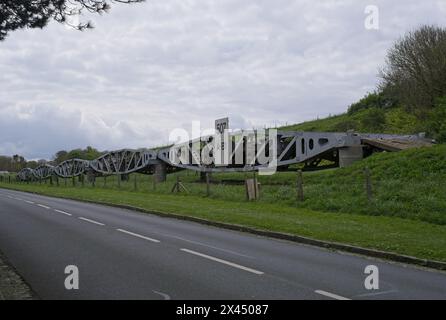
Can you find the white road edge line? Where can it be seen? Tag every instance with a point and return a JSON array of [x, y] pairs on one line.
[[63, 212], [42, 206], [223, 261], [331, 295], [92, 221], [137, 235]]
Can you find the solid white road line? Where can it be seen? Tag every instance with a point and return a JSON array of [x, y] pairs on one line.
[[137, 235], [223, 261], [91, 221], [331, 295], [63, 212], [42, 206]]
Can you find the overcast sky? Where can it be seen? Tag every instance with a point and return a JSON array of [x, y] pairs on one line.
[[149, 68]]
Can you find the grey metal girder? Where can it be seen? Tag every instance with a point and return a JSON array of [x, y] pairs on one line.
[[290, 147]]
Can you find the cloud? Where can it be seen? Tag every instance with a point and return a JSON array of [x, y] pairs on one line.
[[40, 131], [149, 68]]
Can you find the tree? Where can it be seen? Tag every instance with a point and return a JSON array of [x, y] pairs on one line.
[[60, 156], [372, 100], [88, 153], [415, 74], [17, 14]]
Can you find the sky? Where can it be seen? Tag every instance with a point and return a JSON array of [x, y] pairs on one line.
[[147, 69]]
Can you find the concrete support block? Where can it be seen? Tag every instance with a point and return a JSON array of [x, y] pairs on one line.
[[349, 155], [160, 172]]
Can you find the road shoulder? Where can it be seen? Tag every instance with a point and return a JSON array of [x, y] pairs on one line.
[[12, 285]]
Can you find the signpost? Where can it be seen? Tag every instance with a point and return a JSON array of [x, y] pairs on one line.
[[220, 126]]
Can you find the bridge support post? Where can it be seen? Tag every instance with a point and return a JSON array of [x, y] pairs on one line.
[[349, 155], [160, 172]]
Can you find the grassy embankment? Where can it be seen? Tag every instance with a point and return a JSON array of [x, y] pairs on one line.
[[407, 214]]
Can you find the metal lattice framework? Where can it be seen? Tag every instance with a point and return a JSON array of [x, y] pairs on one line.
[[288, 148], [71, 168], [26, 174], [43, 172], [124, 162]]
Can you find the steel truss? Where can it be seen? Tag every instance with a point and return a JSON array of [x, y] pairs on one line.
[[285, 147]]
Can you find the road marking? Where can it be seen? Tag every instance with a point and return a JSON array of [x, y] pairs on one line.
[[30, 202], [223, 261], [92, 221], [209, 246], [63, 212], [165, 296], [331, 295], [375, 293], [42, 206], [18, 199], [137, 235]]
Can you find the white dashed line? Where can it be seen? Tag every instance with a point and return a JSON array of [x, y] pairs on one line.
[[331, 295], [92, 221], [223, 261], [63, 212], [138, 235], [30, 202], [42, 206]]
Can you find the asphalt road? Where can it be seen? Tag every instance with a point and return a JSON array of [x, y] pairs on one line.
[[123, 254]]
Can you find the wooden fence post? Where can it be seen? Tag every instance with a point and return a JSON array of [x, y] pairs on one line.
[[208, 187], [300, 186]]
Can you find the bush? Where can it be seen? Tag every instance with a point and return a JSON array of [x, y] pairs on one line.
[[436, 123], [373, 120], [372, 100]]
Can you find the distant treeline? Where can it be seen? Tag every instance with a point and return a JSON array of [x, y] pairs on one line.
[[17, 162]]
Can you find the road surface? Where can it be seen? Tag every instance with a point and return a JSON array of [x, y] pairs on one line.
[[121, 254]]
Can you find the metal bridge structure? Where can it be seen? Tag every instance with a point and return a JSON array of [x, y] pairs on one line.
[[282, 149]]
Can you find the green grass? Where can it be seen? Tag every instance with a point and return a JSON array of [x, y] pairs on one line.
[[409, 184], [415, 238], [396, 121], [407, 214]]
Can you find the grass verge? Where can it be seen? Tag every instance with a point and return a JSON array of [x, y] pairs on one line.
[[408, 237]]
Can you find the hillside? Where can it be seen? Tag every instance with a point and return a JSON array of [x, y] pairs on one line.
[[371, 114]]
